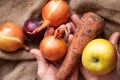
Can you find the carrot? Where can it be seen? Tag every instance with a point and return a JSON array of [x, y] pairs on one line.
[[90, 25]]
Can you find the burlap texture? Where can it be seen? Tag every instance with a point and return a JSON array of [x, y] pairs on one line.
[[20, 65]]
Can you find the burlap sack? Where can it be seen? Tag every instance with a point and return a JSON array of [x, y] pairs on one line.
[[20, 65]]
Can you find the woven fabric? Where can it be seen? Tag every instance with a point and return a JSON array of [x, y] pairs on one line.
[[21, 65]]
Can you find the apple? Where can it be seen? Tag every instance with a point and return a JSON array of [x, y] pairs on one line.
[[99, 56]]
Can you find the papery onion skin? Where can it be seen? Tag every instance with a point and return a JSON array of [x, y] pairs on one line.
[[53, 48], [54, 13], [11, 37], [30, 25]]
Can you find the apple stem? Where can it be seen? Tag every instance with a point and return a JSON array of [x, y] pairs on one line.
[[94, 60]]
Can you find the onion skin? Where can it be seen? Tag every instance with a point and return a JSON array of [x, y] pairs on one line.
[[30, 25], [11, 37], [54, 13], [53, 48]]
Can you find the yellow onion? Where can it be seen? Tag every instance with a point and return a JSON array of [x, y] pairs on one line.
[[11, 37], [54, 13]]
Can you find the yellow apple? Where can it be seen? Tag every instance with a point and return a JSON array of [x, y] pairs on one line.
[[99, 57]]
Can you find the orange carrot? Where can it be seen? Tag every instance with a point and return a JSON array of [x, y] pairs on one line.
[[90, 25]]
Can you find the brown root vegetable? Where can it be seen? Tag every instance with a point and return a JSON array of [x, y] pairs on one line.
[[11, 37], [54, 13], [90, 25]]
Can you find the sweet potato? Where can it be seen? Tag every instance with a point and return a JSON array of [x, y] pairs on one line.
[[90, 25]]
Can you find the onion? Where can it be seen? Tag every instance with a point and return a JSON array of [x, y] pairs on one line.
[[29, 26], [11, 37], [54, 13], [53, 47]]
